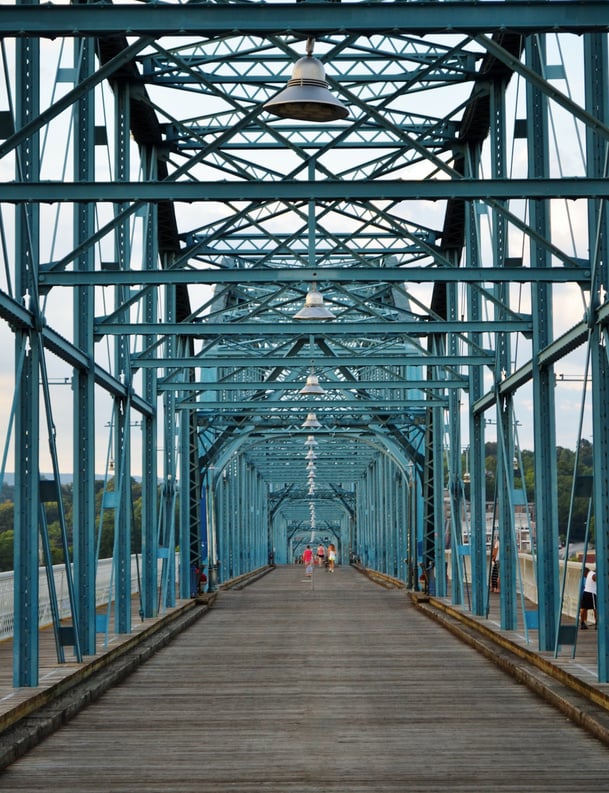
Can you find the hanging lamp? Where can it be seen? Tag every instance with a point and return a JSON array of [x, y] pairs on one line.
[[307, 97], [312, 385], [311, 422], [314, 308]]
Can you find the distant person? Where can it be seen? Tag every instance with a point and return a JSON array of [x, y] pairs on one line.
[[331, 557], [321, 555], [307, 560], [495, 568], [588, 600]]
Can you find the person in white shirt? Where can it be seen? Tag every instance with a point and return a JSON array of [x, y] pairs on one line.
[[588, 599]]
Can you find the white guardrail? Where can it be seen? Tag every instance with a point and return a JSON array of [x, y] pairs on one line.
[[102, 593], [528, 580]]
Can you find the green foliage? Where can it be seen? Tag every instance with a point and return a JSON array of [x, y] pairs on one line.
[[524, 480], [104, 534]]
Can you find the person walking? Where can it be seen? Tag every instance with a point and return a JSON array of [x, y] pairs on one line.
[[307, 560], [495, 567], [331, 557], [321, 555], [588, 600]]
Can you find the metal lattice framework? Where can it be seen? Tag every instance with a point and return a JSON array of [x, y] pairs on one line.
[[160, 230]]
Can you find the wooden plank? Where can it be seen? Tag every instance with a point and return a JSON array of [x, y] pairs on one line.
[[334, 685]]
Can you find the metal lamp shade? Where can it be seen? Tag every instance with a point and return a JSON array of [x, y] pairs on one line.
[[306, 97], [311, 422], [312, 386], [314, 307]]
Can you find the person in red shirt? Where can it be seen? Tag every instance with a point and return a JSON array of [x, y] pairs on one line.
[[307, 559]]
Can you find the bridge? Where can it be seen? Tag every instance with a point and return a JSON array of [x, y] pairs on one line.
[[294, 683], [278, 274]]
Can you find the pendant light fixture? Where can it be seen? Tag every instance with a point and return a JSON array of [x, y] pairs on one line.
[[307, 97]]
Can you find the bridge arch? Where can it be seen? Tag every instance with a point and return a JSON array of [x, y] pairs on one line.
[[163, 271]]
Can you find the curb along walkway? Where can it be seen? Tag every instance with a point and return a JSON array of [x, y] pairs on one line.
[[334, 684], [28, 715]]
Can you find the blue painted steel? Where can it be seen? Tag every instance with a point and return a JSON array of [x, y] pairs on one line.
[[597, 84], [546, 500], [149, 513], [275, 207], [413, 190], [27, 500], [122, 453], [475, 489], [83, 382], [274, 18]]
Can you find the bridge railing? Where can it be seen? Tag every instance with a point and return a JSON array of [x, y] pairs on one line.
[[102, 593], [528, 580]]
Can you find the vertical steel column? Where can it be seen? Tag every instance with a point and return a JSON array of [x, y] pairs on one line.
[[597, 165], [383, 535], [184, 524], [375, 514], [455, 481], [544, 420], [394, 522], [370, 517], [259, 536], [212, 537], [83, 382], [223, 519], [122, 513], [193, 494], [364, 518], [167, 538], [183, 432], [507, 551], [401, 518], [149, 584], [430, 546], [477, 483], [388, 496], [249, 538], [27, 497], [149, 500], [437, 495]]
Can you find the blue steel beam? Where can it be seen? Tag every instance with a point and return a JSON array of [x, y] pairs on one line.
[[52, 192], [317, 19], [354, 360], [358, 330], [296, 407], [343, 275], [260, 384]]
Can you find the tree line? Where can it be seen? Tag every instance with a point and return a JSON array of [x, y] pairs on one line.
[[105, 530], [524, 480]]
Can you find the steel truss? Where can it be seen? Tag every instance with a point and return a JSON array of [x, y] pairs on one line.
[[160, 230]]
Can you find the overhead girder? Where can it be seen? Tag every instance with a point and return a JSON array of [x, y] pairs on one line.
[[241, 275], [340, 463], [275, 18], [413, 190], [372, 209]]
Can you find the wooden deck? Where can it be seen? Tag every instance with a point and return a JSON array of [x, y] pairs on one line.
[[336, 685]]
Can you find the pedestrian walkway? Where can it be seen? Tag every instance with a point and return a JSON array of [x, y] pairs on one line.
[[294, 685]]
